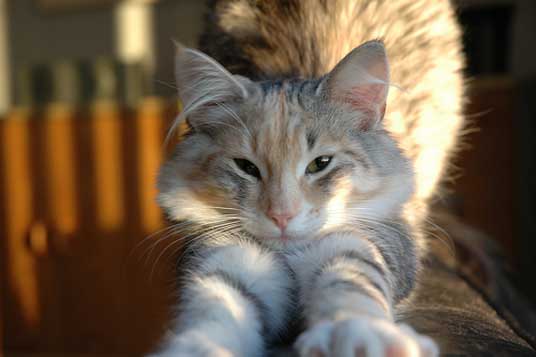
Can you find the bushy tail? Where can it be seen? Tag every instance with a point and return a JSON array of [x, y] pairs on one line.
[[269, 38]]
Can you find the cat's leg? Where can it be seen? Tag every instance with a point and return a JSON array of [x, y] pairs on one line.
[[348, 285], [235, 297]]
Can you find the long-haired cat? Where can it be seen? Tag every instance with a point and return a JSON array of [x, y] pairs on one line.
[[296, 198]]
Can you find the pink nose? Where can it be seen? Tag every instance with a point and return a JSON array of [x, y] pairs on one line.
[[281, 220]]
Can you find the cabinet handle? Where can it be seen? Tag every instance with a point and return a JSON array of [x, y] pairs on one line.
[[38, 239]]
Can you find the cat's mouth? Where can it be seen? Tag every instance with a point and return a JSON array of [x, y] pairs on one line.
[[284, 238]]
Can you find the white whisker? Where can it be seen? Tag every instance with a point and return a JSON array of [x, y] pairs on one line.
[[205, 232]]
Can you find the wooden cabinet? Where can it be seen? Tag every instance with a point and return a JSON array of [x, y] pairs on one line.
[[77, 199]]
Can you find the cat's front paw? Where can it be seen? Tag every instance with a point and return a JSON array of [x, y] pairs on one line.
[[192, 344], [363, 336]]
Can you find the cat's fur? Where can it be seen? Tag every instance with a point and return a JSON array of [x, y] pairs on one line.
[[277, 242], [294, 38]]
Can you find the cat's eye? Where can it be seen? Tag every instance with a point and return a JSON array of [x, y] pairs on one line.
[[318, 164], [248, 167]]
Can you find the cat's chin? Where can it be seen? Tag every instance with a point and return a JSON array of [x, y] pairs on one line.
[[282, 241], [277, 239]]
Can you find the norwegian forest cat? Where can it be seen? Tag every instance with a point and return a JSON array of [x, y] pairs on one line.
[[301, 188]]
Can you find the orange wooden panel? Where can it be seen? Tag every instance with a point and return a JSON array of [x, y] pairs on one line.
[[149, 154], [22, 305], [77, 196], [106, 146], [62, 211]]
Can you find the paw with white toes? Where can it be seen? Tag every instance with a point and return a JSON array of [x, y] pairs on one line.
[[360, 337]]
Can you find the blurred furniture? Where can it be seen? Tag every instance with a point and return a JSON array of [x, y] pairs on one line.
[[484, 189], [77, 196]]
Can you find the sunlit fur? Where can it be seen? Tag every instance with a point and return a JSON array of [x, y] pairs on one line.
[[273, 39], [281, 127]]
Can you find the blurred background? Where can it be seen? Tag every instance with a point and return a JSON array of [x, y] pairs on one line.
[[86, 96]]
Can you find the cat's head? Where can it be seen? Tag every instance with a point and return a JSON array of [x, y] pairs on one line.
[[284, 160]]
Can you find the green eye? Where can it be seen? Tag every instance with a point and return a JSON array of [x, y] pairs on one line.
[[248, 167], [318, 164]]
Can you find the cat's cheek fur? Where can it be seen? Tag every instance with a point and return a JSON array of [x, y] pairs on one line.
[[382, 197], [176, 180]]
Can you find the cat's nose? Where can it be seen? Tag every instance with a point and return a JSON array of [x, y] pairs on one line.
[[281, 219]]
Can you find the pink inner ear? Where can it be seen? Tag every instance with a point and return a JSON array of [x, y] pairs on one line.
[[366, 97], [369, 100]]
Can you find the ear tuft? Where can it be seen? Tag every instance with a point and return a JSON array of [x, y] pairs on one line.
[[361, 81], [200, 78], [202, 82]]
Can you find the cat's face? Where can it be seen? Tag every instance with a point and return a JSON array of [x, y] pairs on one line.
[[284, 161]]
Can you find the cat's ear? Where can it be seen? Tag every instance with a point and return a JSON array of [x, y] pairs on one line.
[[203, 81], [361, 81]]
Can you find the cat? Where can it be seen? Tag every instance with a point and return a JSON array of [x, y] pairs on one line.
[[291, 184], [296, 198]]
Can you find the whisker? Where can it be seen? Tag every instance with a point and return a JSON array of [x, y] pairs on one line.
[[206, 227], [167, 84], [363, 215], [221, 226], [177, 231]]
